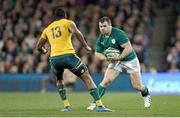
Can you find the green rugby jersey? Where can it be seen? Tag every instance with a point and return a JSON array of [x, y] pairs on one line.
[[115, 40]]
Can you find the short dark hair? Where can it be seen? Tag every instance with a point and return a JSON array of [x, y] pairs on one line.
[[59, 13], [105, 18]]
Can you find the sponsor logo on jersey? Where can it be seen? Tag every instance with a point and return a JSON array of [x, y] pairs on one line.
[[102, 43], [113, 41]]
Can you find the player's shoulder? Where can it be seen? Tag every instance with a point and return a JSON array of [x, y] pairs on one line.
[[44, 29], [71, 22], [117, 30], [66, 20], [100, 37], [49, 25]]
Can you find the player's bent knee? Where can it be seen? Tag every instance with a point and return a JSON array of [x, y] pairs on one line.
[[79, 70]]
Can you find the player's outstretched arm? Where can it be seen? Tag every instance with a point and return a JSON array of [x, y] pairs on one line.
[[40, 45], [73, 29]]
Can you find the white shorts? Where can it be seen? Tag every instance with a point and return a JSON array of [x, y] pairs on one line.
[[132, 66]]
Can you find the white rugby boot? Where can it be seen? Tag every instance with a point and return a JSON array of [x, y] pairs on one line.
[[147, 101], [91, 106]]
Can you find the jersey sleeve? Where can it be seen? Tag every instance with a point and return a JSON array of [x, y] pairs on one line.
[[99, 47], [122, 38], [71, 22], [43, 35]]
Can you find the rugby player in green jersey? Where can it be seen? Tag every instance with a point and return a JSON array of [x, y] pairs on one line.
[[115, 38]]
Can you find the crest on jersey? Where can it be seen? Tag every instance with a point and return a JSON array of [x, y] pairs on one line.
[[113, 41]]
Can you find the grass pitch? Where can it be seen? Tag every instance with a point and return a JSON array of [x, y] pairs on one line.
[[49, 105]]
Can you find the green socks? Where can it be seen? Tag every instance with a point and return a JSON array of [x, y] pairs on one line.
[[94, 94], [101, 90], [62, 91], [145, 92]]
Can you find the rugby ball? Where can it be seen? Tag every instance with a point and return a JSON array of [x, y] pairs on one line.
[[111, 52]]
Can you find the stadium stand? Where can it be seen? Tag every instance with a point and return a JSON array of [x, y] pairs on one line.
[[173, 44], [23, 21]]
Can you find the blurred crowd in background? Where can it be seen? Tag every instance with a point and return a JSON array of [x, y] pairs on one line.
[[173, 45], [22, 22]]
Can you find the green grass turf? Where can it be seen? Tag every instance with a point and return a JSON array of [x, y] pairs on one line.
[[49, 104]]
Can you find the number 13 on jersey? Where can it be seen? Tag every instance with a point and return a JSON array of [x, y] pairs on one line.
[[56, 32]]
